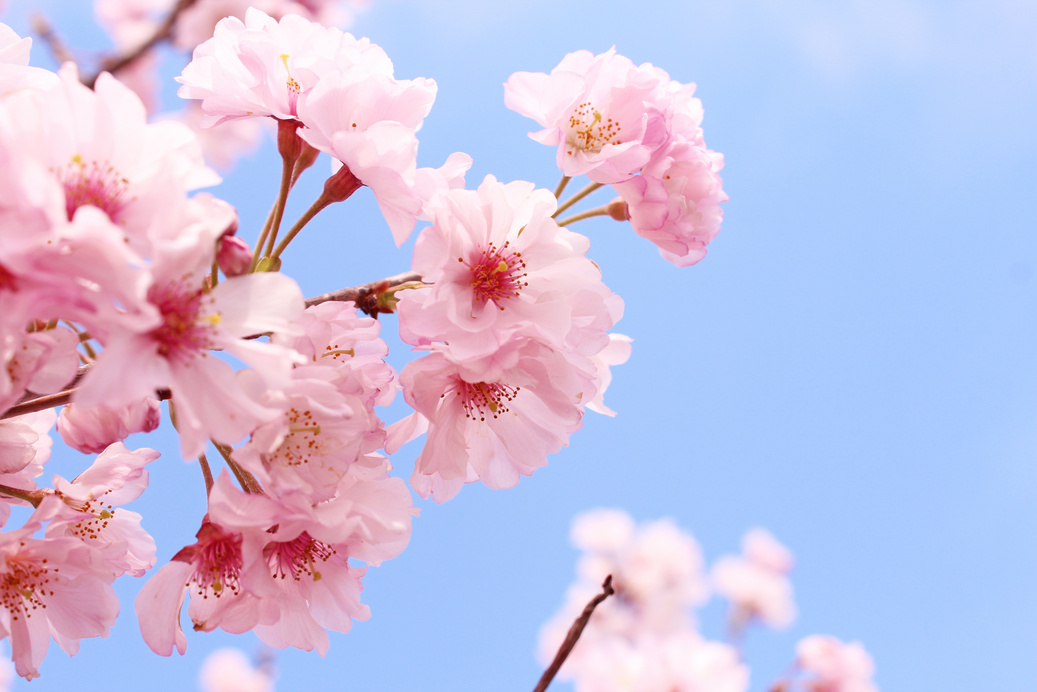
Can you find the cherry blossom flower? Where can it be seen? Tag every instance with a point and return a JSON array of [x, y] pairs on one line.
[[757, 584], [52, 587], [90, 429], [599, 110], [15, 72], [675, 202], [494, 420], [211, 401], [210, 569], [229, 670], [831, 665], [25, 447], [261, 66], [501, 268], [90, 509]]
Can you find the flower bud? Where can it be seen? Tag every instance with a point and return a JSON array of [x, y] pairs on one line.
[[619, 210], [340, 185], [234, 256]]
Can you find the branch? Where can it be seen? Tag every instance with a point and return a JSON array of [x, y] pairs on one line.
[[367, 298], [42, 27], [574, 635], [162, 33]]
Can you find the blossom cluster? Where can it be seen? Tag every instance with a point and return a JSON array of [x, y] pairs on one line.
[[636, 129], [123, 285], [644, 637]]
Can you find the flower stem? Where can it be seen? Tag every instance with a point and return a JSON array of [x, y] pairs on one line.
[[33, 497], [246, 480], [577, 197], [282, 196], [561, 186], [303, 220], [206, 472], [600, 211]]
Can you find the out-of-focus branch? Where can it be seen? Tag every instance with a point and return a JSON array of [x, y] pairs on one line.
[[368, 298], [163, 33], [574, 635], [42, 28]]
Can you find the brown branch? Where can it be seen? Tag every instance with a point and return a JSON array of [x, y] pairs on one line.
[[42, 28], [163, 33], [367, 298], [574, 635]]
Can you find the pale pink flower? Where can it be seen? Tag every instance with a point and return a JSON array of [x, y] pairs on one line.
[[261, 66], [15, 72], [297, 561], [494, 420], [54, 587], [601, 112], [616, 353], [42, 362], [90, 429], [757, 583], [501, 268], [229, 670], [24, 448], [335, 335], [675, 202], [99, 147], [681, 662], [211, 401], [90, 509], [210, 569], [312, 446], [368, 121], [831, 665]]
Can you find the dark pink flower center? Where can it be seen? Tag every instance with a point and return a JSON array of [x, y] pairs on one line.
[[94, 184], [484, 398], [297, 558], [497, 274], [217, 563], [23, 585], [8, 281], [589, 130], [185, 333]]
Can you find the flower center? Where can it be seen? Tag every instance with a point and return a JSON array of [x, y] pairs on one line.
[[292, 85], [497, 274], [297, 558], [8, 281], [481, 398], [22, 585], [217, 561], [93, 184], [185, 333], [302, 440], [589, 130]]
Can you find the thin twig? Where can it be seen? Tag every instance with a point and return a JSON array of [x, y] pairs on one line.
[[574, 635], [561, 186], [358, 293], [163, 33], [41, 27]]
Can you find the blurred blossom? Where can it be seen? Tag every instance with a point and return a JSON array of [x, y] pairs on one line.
[[229, 670]]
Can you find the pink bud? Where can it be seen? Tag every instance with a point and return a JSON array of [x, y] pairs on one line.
[[341, 185], [234, 256], [619, 210]]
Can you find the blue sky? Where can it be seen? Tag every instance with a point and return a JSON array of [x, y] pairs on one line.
[[853, 365]]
